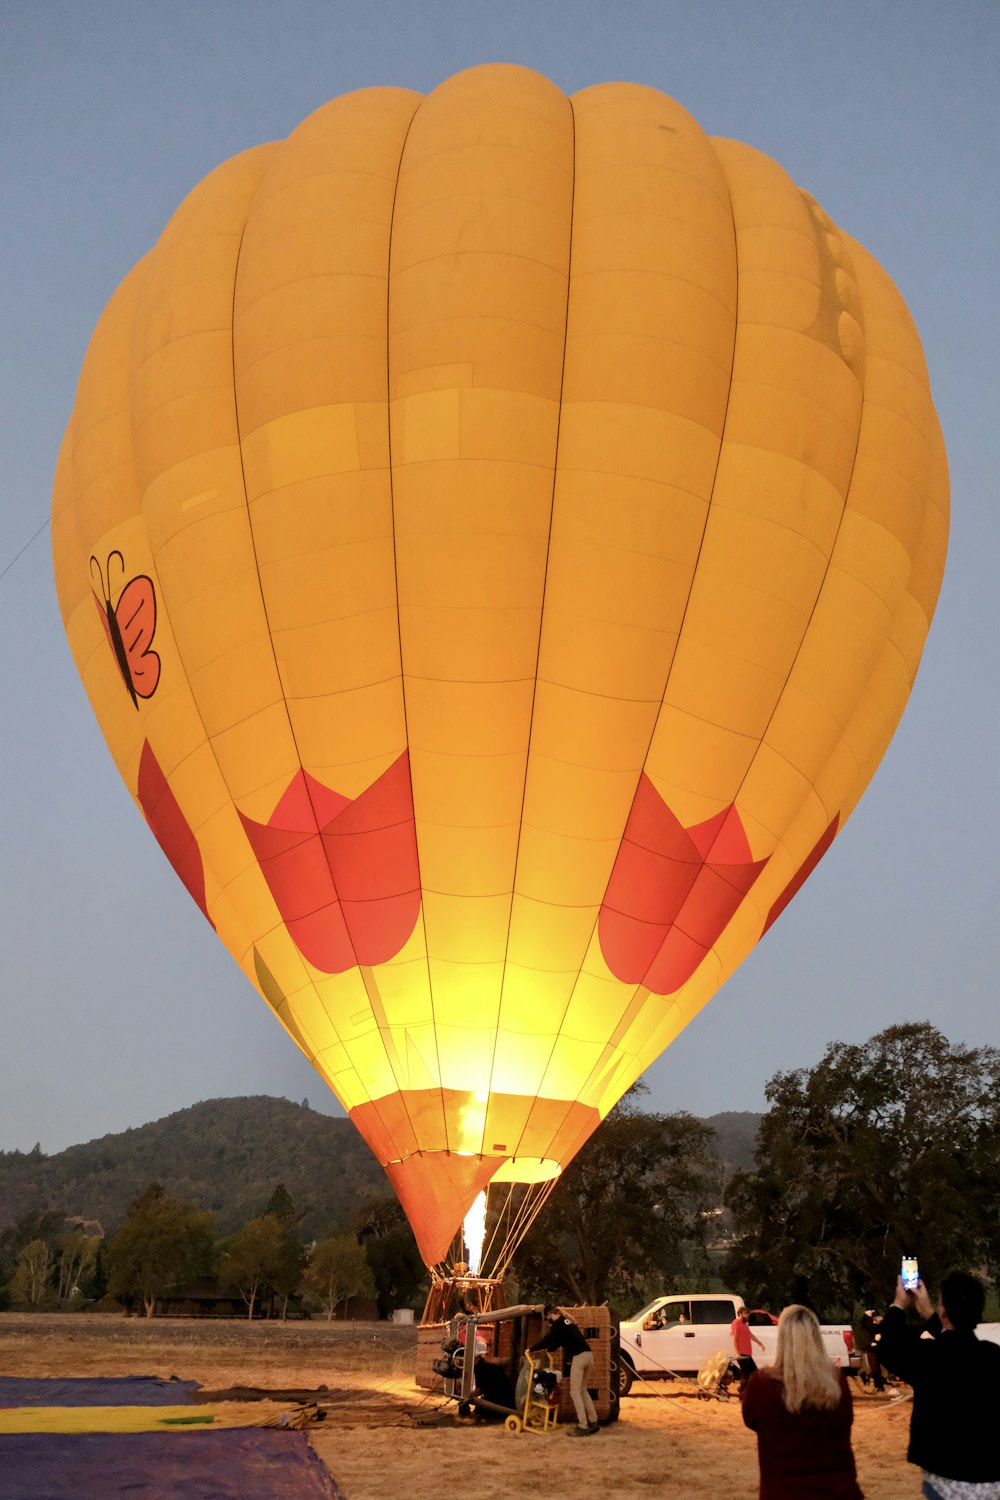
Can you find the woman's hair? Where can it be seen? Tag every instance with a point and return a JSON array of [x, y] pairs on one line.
[[807, 1373]]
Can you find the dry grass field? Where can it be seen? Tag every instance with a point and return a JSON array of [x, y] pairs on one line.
[[384, 1437]]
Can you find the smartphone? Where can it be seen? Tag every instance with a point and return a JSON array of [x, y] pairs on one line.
[[910, 1272]]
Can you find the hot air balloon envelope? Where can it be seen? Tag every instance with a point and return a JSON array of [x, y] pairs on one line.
[[497, 533]]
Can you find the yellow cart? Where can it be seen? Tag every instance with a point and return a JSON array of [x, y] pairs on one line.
[[541, 1403]]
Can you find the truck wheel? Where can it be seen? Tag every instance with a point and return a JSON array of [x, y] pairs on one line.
[[514, 1424], [626, 1375]]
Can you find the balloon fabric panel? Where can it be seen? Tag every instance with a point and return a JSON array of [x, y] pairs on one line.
[[497, 533]]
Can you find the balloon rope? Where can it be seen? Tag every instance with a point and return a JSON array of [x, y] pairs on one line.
[[516, 1206], [503, 1212], [528, 1211], [510, 1225], [23, 550]]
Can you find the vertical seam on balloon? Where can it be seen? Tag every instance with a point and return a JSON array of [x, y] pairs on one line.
[[374, 1104], [538, 651], [399, 637], [281, 689], [150, 261], [770, 719], [708, 511], [819, 593], [602, 1064]]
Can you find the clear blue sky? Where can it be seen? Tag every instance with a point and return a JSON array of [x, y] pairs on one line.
[[118, 1004]]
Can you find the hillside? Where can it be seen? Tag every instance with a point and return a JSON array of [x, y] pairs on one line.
[[228, 1155], [735, 1132]]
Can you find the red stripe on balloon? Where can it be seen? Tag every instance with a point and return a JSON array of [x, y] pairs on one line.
[[170, 827], [343, 872], [672, 892]]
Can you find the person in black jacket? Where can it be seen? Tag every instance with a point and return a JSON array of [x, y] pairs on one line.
[[955, 1379], [563, 1334], [869, 1338]]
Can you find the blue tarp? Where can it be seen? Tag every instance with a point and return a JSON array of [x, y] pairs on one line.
[[238, 1464], [128, 1390]]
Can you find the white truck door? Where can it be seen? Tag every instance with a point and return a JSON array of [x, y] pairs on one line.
[[712, 1318], [688, 1331], [663, 1335]]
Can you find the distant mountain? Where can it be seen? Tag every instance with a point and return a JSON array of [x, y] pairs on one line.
[[228, 1155], [735, 1131]]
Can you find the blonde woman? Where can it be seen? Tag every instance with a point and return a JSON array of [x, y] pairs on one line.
[[800, 1408]]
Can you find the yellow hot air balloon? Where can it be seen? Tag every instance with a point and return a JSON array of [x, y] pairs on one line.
[[497, 533]]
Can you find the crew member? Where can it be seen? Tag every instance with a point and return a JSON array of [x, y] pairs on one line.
[[744, 1338], [565, 1335]]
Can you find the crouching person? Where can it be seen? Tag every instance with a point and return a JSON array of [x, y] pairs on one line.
[[493, 1384]]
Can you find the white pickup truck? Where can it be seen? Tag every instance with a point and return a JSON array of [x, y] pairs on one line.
[[675, 1335]]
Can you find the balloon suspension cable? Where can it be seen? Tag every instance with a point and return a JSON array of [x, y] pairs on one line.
[[22, 550], [518, 1222], [501, 1214], [511, 1221], [528, 1212]]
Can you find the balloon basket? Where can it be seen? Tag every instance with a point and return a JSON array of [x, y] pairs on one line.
[[453, 1296]]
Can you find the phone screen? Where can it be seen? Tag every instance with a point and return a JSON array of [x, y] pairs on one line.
[[910, 1273]]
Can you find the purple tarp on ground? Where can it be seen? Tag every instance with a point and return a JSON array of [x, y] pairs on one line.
[[238, 1464], [128, 1390]]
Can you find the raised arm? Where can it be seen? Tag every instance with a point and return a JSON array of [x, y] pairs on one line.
[[899, 1346]]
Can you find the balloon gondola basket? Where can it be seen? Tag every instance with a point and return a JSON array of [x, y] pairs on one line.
[[460, 1295], [454, 1296]]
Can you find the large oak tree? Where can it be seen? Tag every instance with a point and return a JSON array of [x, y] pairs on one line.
[[162, 1243], [886, 1148]]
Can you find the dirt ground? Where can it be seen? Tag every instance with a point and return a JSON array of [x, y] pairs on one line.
[[384, 1436]]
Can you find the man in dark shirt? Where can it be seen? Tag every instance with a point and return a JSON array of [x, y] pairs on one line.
[[563, 1334], [955, 1378]]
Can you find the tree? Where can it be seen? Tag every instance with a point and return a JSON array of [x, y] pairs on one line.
[[94, 1282], [880, 1149], [630, 1208], [31, 1284], [77, 1256], [162, 1243], [252, 1259], [288, 1270], [398, 1271], [281, 1207], [338, 1269], [37, 1224]]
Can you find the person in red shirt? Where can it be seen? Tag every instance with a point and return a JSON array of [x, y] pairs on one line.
[[800, 1408], [744, 1338]]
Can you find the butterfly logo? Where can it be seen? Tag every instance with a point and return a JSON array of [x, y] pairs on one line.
[[130, 626]]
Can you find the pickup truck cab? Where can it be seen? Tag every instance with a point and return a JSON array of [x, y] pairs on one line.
[[675, 1335]]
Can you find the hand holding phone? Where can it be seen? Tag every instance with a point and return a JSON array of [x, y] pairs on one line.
[[910, 1273]]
